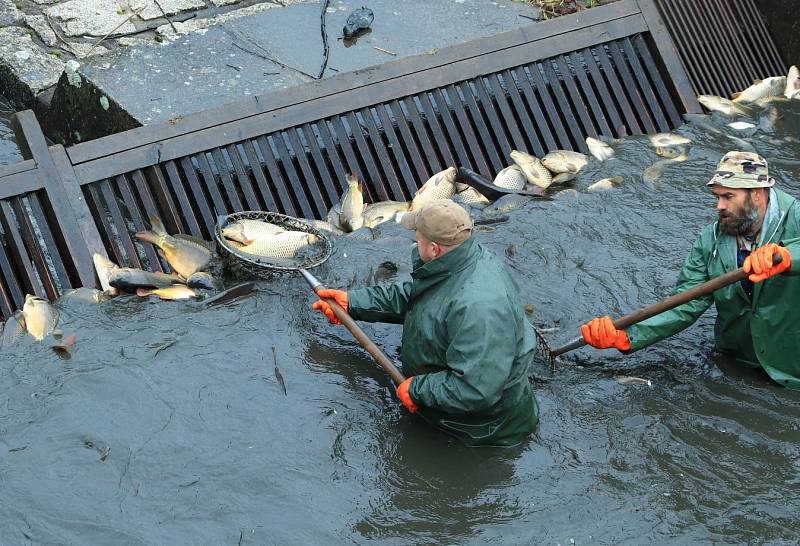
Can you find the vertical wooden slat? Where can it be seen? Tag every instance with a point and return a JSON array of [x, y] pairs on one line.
[[663, 94], [187, 211], [618, 126], [577, 99], [565, 109], [712, 22], [464, 126], [504, 148], [107, 233], [210, 183], [57, 249], [288, 166], [373, 187], [632, 89], [409, 181], [209, 216], [421, 172], [744, 55], [597, 111], [227, 182], [761, 36], [645, 87], [539, 118], [549, 106], [286, 204], [251, 201], [122, 233], [19, 252], [389, 175], [257, 168], [170, 215], [485, 133], [331, 190], [703, 63], [496, 90], [309, 176], [421, 130], [14, 294], [529, 129], [332, 153], [619, 93], [353, 166], [136, 218], [436, 130], [453, 134]]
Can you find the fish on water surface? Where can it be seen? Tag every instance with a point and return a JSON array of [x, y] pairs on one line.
[[203, 280], [792, 89], [246, 230], [384, 211], [174, 292], [470, 196], [714, 103], [129, 279], [507, 203], [533, 169], [184, 256], [668, 139], [774, 86], [441, 185], [599, 149], [323, 225], [351, 216], [86, 295], [14, 329], [653, 172], [280, 245], [510, 178], [563, 161], [41, 317], [671, 152], [563, 178], [627, 380], [104, 267], [605, 184]]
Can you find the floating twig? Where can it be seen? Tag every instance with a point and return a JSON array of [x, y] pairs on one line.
[[278, 375]]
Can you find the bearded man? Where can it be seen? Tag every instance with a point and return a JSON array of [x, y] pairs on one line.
[[758, 320]]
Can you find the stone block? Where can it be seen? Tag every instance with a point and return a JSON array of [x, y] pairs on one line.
[[25, 70], [170, 7], [39, 24], [9, 14], [91, 17]]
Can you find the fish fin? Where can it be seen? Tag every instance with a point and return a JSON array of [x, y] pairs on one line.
[[143, 293], [65, 345], [157, 225], [572, 167], [735, 95], [149, 236]]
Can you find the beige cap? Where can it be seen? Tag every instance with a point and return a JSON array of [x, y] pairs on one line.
[[742, 170], [441, 221]]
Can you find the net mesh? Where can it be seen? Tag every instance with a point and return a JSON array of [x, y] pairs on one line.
[[244, 264]]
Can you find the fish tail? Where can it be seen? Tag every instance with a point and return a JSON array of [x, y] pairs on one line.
[[149, 236], [157, 225], [143, 292]]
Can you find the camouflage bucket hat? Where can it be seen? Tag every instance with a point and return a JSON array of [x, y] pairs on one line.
[[742, 170]]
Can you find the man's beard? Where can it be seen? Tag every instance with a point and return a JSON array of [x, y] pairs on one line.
[[741, 222]]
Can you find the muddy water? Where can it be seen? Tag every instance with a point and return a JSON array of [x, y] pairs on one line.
[[9, 152], [169, 425]]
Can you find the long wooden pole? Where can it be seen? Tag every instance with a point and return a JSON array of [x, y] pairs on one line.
[[708, 287], [361, 336]]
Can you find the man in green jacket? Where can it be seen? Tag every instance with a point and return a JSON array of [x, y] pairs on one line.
[[758, 320], [466, 342]]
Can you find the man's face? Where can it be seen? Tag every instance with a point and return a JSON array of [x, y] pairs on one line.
[[737, 211], [428, 250]]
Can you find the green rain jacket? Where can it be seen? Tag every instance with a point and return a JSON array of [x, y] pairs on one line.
[[762, 331], [466, 341]]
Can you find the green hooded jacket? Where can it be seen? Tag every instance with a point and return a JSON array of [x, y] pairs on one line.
[[760, 331], [466, 341]]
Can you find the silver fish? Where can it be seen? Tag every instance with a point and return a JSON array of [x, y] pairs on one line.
[[185, 257], [563, 161], [668, 139], [599, 149], [792, 90], [563, 178], [671, 152], [470, 196], [203, 280], [605, 184], [246, 230], [130, 278], [714, 103], [439, 186], [653, 172], [378, 213], [280, 245], [768, 87], [104, 267], [510, 178], [507, 203], [351, 215], [323, 225], [86, 295], [533, 169], [41, 317], [627, 380]]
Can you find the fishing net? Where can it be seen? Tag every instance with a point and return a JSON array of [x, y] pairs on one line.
[[244, 264]]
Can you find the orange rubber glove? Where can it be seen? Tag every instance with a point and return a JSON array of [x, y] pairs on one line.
[[759, 262], [405, 396], [601, 334], [339, 296]]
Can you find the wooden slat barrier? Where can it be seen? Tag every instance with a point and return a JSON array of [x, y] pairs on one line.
[[723, 44], [611, 70]]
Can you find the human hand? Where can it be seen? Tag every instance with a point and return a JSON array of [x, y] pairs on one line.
[[601, 334], [405, 396], [339, 296], [760, 262]]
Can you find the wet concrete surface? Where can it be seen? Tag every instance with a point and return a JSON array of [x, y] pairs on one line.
[[168, 424], [156, 82]]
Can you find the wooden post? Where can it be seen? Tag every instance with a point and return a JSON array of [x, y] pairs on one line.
[[63, 190]]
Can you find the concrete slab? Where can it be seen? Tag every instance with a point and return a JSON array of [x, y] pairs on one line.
[[242, 56], [149, 9], [91, 17], [25, 70], [9, 14], [39, 24]]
